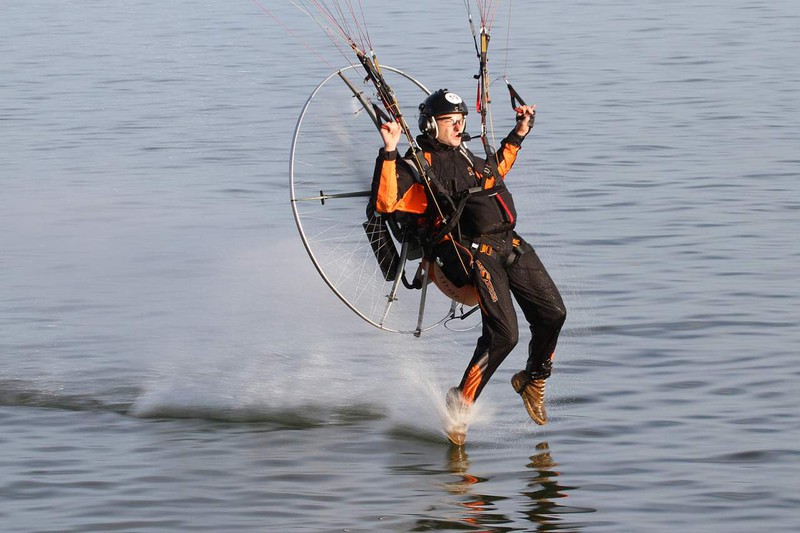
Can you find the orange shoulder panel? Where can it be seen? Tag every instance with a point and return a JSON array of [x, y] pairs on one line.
[[509, 156], [389, 200]]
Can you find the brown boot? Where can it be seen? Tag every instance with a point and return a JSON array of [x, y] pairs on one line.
[[532, 392], [458, 411]]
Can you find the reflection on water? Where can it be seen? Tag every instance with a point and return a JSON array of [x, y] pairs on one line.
[[479, 509], [542, 491]]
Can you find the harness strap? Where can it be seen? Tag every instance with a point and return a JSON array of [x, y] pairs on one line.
[[518, 247]]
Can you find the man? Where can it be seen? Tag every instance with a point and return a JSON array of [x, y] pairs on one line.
[[470, 214]]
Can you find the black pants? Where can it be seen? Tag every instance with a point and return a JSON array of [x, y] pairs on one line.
[[504, 266]]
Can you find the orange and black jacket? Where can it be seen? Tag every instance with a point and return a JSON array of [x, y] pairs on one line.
[[458, 176]]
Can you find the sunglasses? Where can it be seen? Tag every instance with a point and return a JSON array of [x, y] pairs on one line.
[[452, 121]]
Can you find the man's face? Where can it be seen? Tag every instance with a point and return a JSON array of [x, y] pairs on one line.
[[450, 127]]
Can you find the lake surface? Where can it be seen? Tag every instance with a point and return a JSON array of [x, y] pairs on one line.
[[170, 360]]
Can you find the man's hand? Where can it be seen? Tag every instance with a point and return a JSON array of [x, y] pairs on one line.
[[525, 117], [390, 132]]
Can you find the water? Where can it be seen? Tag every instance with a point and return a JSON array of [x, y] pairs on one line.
[[171, 362]]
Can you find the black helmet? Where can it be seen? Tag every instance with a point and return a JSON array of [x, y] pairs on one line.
[[441, 102]]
